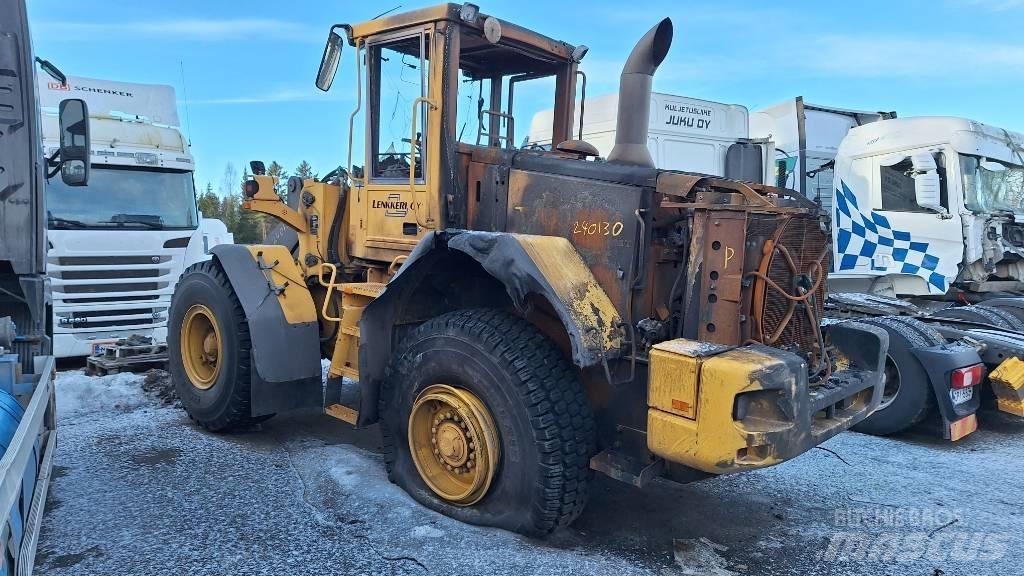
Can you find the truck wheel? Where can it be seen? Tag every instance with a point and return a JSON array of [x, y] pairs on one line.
[[1012, 306], [209, 350], [907, 396], [983, 313], [485, 421]]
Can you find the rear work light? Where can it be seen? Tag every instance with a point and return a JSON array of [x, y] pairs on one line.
[[967, 376]]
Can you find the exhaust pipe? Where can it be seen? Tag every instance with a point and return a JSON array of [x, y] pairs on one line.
[[635, 96]]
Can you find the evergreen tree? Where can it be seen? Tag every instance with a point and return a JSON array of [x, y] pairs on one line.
[[248, 226], [277, 170], [229, 211], [305, 171], [209, 203]]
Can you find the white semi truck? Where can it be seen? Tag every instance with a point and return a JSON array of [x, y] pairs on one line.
[[684, 134], [921, 207], [117, 247]]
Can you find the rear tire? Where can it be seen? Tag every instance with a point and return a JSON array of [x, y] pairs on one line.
[[1010, 305], [533, 397], [222, 403], [908, 395], [983, 313]]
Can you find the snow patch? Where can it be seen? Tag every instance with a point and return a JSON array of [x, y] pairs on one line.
[[80, 395], [699, 557], [426, 531]]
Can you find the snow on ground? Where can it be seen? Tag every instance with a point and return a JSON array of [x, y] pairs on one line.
[[79, 395], [139, 489]]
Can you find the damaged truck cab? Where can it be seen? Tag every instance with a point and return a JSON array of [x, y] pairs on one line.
[[515, 318]]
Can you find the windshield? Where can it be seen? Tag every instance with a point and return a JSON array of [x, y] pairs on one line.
[[124, 198], [992, 186]]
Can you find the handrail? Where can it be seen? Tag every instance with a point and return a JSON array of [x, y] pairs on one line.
[[510, 133], [413, 144], [352, 117], [330, 286], [33, 523], [15, 459]]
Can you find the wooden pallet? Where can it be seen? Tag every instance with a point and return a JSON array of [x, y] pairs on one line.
[[127, 356]]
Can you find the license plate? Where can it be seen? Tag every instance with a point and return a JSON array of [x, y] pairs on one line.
[[961, 395], [99, 347]]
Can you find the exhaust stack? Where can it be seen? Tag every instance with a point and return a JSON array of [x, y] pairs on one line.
[[635, 96]]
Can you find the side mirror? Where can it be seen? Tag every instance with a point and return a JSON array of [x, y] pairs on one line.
[[329, 61], [74, 142], [927, 187]]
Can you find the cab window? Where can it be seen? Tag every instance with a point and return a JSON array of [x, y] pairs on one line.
[[897, 185], [398, 75]]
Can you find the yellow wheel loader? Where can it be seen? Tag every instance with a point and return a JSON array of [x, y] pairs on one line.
[[515, 319]]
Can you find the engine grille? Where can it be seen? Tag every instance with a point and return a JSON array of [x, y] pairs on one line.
[[786, 324]]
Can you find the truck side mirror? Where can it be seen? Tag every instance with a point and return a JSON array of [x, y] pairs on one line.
[[927, 186], [329, 61], [74, 142]]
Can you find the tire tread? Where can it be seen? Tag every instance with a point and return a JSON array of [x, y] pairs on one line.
[[549, 388]]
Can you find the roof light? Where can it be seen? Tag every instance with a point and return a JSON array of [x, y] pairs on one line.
[[468, 12], [579, 52]]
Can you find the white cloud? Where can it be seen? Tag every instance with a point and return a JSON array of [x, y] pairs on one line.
[[200, 29], [282, 95], [861, 56], [831, 56], [992, 5]]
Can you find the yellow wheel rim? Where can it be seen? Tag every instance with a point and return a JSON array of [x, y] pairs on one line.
[[201, 346], [454, 443]]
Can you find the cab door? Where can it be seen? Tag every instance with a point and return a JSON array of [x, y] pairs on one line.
[[396, 202], [911, 239]]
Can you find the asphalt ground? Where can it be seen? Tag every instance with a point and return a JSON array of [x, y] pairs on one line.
[[139, 489]]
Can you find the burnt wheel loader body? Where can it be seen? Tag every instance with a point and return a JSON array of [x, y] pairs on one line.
[[518, 318]]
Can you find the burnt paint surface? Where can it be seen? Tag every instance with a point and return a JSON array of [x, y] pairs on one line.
[[597, 217]]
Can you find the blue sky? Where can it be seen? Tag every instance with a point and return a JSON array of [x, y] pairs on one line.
[[249, 67]]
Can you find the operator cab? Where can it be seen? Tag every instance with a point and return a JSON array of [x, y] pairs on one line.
[[442, 84]]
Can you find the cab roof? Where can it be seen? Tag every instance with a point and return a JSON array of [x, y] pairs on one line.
[[475, 48]]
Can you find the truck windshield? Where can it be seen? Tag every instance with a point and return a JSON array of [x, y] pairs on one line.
[[991, 186], [124, 198]]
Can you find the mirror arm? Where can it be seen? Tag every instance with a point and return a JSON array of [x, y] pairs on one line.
[[54, 161], [348, 32]]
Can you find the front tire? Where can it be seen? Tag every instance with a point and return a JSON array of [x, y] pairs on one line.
[[519, 402], [209, 349]]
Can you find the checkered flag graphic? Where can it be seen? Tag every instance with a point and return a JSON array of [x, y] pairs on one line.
[[866, 235]]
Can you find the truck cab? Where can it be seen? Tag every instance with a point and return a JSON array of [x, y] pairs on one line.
[[685, 133], [117, 246], [929, 205]]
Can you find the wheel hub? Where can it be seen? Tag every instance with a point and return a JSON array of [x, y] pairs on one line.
[[201, 346], [454, 443]]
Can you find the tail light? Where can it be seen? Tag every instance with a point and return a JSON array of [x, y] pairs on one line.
[[967, 376]]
